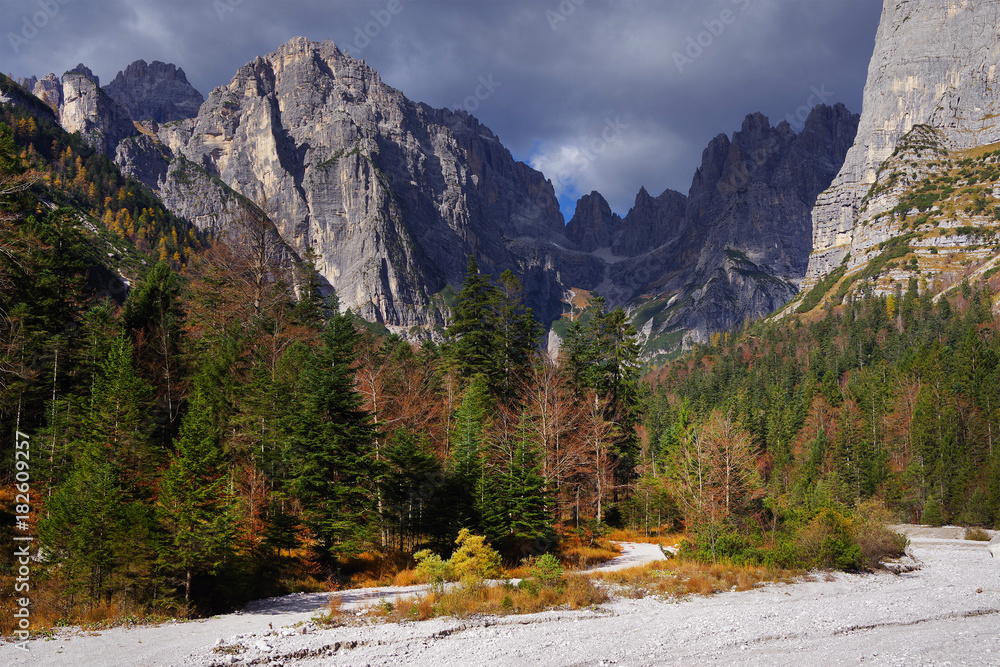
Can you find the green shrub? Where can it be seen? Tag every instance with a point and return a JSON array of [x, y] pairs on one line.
[[932, 514], [826, 541], [474, 558], [529, 586], [547, 570], [431, 568], [784, 554]]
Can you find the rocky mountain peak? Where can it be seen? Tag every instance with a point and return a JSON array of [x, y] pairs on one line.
[[86, 108], [393, 195], [84, 70], [593, 223], [157, 91], [49, 89]]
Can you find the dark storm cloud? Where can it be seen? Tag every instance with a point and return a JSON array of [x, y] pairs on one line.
[[599, 94]]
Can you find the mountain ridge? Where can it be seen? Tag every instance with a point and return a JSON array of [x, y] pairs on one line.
[[394, 196]]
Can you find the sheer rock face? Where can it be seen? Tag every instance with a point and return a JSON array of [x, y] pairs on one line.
[[650, 223], [935, 63], [87, 109], [49, 89], [394, 196], [157, 91], [593, 223]]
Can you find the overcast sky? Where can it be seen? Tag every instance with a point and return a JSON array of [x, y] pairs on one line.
[[605, 95]]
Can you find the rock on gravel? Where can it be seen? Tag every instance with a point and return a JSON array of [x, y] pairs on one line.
[[948, 611]]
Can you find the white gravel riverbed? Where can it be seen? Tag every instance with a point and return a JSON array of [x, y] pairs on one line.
[[947, 612]]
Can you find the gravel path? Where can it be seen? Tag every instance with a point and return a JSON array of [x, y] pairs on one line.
[[947, 612]]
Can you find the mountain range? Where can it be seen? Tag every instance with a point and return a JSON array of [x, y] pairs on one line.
[[393, 196]]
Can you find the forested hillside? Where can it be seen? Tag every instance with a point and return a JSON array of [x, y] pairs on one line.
[[893, 398], [222, 433]]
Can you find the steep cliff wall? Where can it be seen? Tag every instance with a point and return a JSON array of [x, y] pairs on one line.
[[393, 195], [88, 110], [935, 63], [736, 246]]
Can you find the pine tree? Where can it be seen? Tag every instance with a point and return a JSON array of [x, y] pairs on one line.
[[98, 524], [192, 506], [514, 503], [333, 472]]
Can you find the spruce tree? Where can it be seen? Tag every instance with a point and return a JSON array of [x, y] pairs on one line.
[[334, 470], [465, 468], [193, 506], [514, 504], [98, 523]]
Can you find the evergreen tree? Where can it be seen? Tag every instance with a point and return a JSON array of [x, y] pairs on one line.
[[192, 506], [514, 503], [97, 524], [411, 480], [492, 333], [334, 472], [472, 332], [465, 467]]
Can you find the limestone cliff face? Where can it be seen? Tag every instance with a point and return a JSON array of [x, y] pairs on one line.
[[935, 63], [157, 91], [49, 89], [393, 195], [87, 109]]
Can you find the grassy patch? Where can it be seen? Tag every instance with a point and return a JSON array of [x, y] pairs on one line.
[[661, 537], [691, 578], [815, 295], [977, 535], [527, 597]]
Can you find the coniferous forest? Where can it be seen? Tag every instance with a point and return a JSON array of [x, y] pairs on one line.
[[218, 430]]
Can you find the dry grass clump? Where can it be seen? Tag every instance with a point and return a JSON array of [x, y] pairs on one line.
[[376, 568], [52, 608], [657, 535], [574, 592], [580, 549], [691, 578], [335, 615], [407, 577], [977, 535], [584, 556]]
